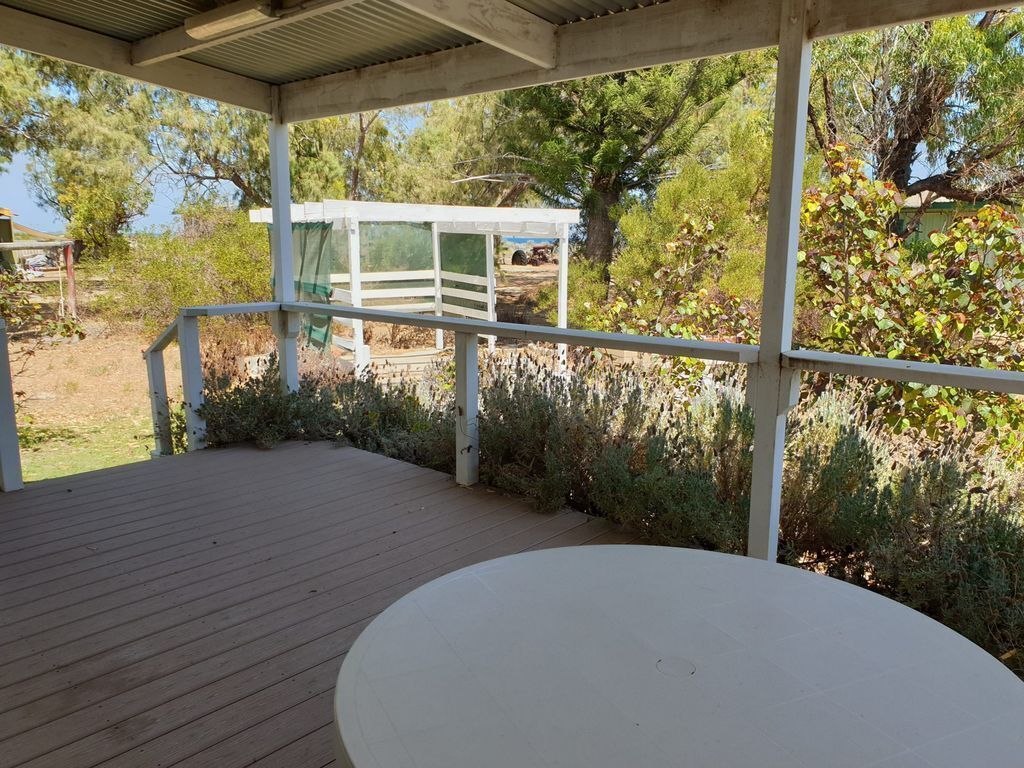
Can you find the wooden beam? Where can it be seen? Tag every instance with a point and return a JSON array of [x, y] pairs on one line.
[[839, 17], [178, 42], [30, 32], [669, 32], [496, 22], [645, 37]]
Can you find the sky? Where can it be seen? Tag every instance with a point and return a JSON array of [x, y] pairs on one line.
[[15, 195]]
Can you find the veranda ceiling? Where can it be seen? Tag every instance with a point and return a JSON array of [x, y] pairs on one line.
[[313, 58]]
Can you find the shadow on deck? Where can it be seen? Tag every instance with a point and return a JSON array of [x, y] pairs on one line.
[[194, 610]]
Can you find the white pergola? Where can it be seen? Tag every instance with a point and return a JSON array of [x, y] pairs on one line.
[[416, 295], [304, 59]]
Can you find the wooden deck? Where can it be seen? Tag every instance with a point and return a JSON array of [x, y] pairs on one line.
[[194, 611]]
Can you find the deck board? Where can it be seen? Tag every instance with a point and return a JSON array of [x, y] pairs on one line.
[[194, 610]]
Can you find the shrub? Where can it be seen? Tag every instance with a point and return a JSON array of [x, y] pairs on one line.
[[214, 257]]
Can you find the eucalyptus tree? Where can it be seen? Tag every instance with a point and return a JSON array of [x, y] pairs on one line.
[[936, 107]]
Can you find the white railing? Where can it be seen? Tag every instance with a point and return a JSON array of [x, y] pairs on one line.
[[10, 455], [185, 330], [467, 335]]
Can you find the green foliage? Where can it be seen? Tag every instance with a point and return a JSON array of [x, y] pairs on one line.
[[671, 303], [959, 303], [393, 420], [91, 158], [593, 142], [953, 86], [733, 195], [588, 288], [215, 257]]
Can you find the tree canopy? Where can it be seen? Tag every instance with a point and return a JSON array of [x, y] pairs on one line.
[[594, 143], [944, 97]]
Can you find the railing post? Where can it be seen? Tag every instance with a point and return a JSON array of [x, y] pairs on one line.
[[191, 381], [563, 291], [435, 239], [286, 327], [773, 384], [492, 314], [163, 446], [281, 245], [10, 453], [467, 389], [360, 352]]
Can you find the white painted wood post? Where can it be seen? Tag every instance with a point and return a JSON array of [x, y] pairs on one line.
[[360, 351], [163, 445], [774, 385], [563, 290], [435, 239], [492, 311], [285, 324], [10, 453], [191, 381], [467, 390]]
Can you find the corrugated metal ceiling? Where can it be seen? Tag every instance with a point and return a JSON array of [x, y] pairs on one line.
[[360, 35], [123, 19], [371, 32]]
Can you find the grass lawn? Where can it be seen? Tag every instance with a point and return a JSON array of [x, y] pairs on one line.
[[54, 452]]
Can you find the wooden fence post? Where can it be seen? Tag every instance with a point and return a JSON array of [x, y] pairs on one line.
[[467, 389], [191, 381], [10, 452]]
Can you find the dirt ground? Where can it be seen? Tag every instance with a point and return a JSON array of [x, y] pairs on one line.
[[86, 403]]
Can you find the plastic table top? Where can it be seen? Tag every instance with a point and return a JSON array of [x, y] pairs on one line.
[[653, 656]]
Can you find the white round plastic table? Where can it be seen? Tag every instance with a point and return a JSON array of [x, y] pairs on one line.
[[643, 657]]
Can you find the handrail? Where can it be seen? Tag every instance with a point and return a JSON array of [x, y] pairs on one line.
[[726, 352], [467, 333], [1006, 382], [167, 335], [220, 310]]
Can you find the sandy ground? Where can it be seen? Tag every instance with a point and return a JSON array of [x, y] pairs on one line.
[[86, 403]]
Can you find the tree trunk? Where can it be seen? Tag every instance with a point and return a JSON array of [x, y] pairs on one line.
[[600, 240]]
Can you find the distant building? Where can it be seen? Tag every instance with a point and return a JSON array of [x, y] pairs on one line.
[[940, 214]]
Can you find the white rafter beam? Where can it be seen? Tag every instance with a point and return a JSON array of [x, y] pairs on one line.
[[496, 22], [30, 32], [177, 42]]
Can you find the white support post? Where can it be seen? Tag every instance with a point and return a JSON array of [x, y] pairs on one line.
[[360, 351], [435, 239], [191, 381], [163, 445], [286, 325], [10, 452], [467, 387], [492, 312], [563, 290], [774, 385]]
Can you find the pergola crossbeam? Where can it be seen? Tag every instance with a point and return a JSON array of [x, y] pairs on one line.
[[645, 37], [496, 22]]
